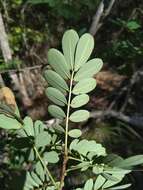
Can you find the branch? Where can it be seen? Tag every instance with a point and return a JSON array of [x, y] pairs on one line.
[[4, 42], [136, 121], [12, 71], [96, 24], [108, 10], [96, 19]]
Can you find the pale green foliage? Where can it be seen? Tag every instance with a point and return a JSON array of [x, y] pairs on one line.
[[58, 63], [69, 83], [79, 101], [56, 112], [69, 43], [56, 96], [79, 116], [75, 133], [84, 86], [9, 123], [56, 80]]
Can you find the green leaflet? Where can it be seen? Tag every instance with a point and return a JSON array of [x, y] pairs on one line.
[[28, 126], [31, 156], [120, 187], [75, 133], [29, 181], [99, 182], [56, 112], [7, 122], [40, 171], [38, 127], [51, 157], [84, 86], [79, 100], [130, 162], [59, 128], [43, 139], [69, 42], [84, 50], [79, 116], [88, 185], [115, 170], [36, 178], [56, 96], [85, 147], [89, 69], [110, 182], [58, 63], [56, 80]]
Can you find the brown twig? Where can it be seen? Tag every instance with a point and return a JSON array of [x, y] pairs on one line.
[[22, 69]]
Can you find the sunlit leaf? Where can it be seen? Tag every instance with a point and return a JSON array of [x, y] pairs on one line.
[[84, 50], [86, 147], [89, 69], [56, 96], [30, 181], [36, 178], [112, 180], [69, 42], [80, 115], [51, 157], [43, 139], [79, 100], [59, 128], [28, 126], [100, 180], [75, 133], [88, 185], [131, 161], [7, 122], [56, 112], [84, 86], [56, 80], [40, 171], [58, 63], [120, 187], [31, 156], [38, 127]]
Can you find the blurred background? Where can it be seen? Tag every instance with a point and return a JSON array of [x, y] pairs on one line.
[[30, 27]]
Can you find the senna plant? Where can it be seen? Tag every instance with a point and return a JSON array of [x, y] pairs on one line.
[[58, 151]]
